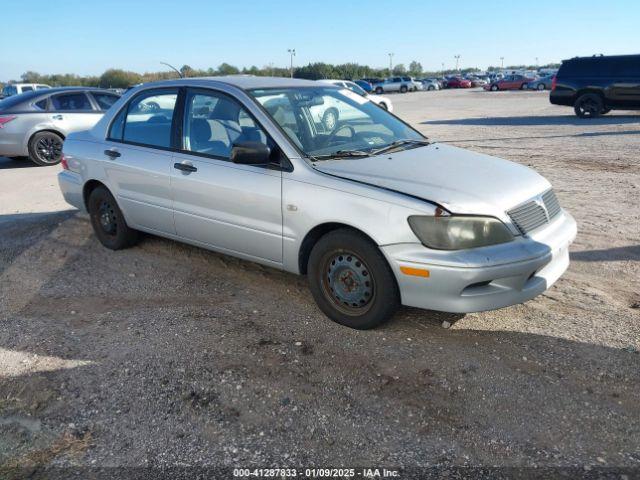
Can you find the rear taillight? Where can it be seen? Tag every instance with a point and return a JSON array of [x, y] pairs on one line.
[[6, 119], [63, 163], [554, 82]]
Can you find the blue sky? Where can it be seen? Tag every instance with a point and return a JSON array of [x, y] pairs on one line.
[[87, 37]]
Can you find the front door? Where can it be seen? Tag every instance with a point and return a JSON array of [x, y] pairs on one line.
[[232, 208]]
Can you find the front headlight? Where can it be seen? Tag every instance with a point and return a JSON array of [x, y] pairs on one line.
[[457, 232]]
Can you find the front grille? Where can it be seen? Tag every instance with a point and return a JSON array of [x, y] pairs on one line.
[[535, 213]]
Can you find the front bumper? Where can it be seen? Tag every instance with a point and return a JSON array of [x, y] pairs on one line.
[[484, 278]]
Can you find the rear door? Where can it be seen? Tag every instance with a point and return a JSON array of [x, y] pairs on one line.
[[233, 208], [72, 112], [624, 73], [137, 159]]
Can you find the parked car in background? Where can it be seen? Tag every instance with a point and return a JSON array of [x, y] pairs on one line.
[[366, 86], [510, 82], [543, 83], [477, 81], [397, 84], [458, 82], [18, 88], [594, 86], [430, 84], [35, 124], [374, 213], [383, 102]]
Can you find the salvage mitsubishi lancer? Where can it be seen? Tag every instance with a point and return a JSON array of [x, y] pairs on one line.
[[374, 213]]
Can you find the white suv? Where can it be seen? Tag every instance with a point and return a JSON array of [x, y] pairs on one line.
[[18, 88], [397, 84]]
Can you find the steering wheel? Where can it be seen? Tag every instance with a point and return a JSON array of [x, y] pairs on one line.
[[333, 134]]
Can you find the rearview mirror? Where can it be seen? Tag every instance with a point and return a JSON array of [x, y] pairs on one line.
[[250, 153]]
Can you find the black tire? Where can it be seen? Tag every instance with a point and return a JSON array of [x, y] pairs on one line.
[[403, 89], [383, 106], [494, 88], [45, 148], [379, 90], [541, 86], [605, 110], [330, 119], [431, 87], [588, 105], [108, 222], [366, 294], [523, 86]]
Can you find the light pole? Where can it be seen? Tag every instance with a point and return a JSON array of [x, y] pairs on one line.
[[390, 63], [443, 69], [173, 68], [457, 57], [502, 62], [292, 53], [536, 61]]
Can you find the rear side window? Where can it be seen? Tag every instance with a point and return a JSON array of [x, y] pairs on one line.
[[27, 89], [147, 120], [71, 102], [42, 104], [105, 100]]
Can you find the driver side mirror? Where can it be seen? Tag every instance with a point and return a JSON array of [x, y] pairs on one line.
[[250, 153]]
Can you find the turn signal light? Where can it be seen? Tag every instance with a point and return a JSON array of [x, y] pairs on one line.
[[415, 272]]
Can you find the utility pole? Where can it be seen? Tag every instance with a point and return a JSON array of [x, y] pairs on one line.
[[292, 53], [443, 69], [502, 62], [536, 61], [173, 68], [390, 63], [457, 57]]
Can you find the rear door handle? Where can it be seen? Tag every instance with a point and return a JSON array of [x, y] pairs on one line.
[[113, 154], [185, 167]]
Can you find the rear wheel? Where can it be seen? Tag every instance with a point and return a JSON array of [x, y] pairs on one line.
[[330, 119], [589, 105], [45, 148], [351, 280], [494, 88], [540, 86], [431, 87], [108, 221], [403, 89], [379, 90]]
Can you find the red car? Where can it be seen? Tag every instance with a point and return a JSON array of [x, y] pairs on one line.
[[510, 82], [456, 82]]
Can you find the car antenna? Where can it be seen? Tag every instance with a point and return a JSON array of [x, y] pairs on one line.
[[173, 68]]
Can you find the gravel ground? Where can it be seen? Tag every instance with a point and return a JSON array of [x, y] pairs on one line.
[[166, 355]]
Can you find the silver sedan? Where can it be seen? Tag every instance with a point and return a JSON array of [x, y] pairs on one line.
[[34, 124], [372, 211]]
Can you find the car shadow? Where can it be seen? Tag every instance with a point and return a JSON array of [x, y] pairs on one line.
[[535, 120], [616, 254], [10, 163]]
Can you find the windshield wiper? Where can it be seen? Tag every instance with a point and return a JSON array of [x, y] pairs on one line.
[[400, 143], [340, 154]]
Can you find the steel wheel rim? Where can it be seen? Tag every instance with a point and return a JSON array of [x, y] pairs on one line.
[[49, 149], [107, 218], [588, 107], [347, 282]]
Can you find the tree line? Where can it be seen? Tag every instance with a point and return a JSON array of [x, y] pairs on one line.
[[118, 78]]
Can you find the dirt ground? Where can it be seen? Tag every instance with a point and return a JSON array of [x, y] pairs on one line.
[[168, 355]]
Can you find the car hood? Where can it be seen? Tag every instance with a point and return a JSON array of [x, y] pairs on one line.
[[460, 180]]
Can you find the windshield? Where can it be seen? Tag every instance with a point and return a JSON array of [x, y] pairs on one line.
[[9, 90], [326, 121]]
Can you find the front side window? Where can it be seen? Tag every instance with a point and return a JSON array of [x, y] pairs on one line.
[[214, 123], [70, 102], [105, 100], [148, 119], [334, 122]]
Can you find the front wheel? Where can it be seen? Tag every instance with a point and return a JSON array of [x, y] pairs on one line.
[[108, 221], [494, 88], [431, 87], [379, 90], [541, 86], [330, 119], [45, 148], [383, 106], [351, 280]]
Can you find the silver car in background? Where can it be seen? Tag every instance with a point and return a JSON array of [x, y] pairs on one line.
[[34, 124], [397, 84], [372, 211]]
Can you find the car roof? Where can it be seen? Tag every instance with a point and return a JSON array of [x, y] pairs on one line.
[[245, 82], [15, 101]]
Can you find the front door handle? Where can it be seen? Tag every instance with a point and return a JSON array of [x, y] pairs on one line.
[[57, 117], [185, 167]]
